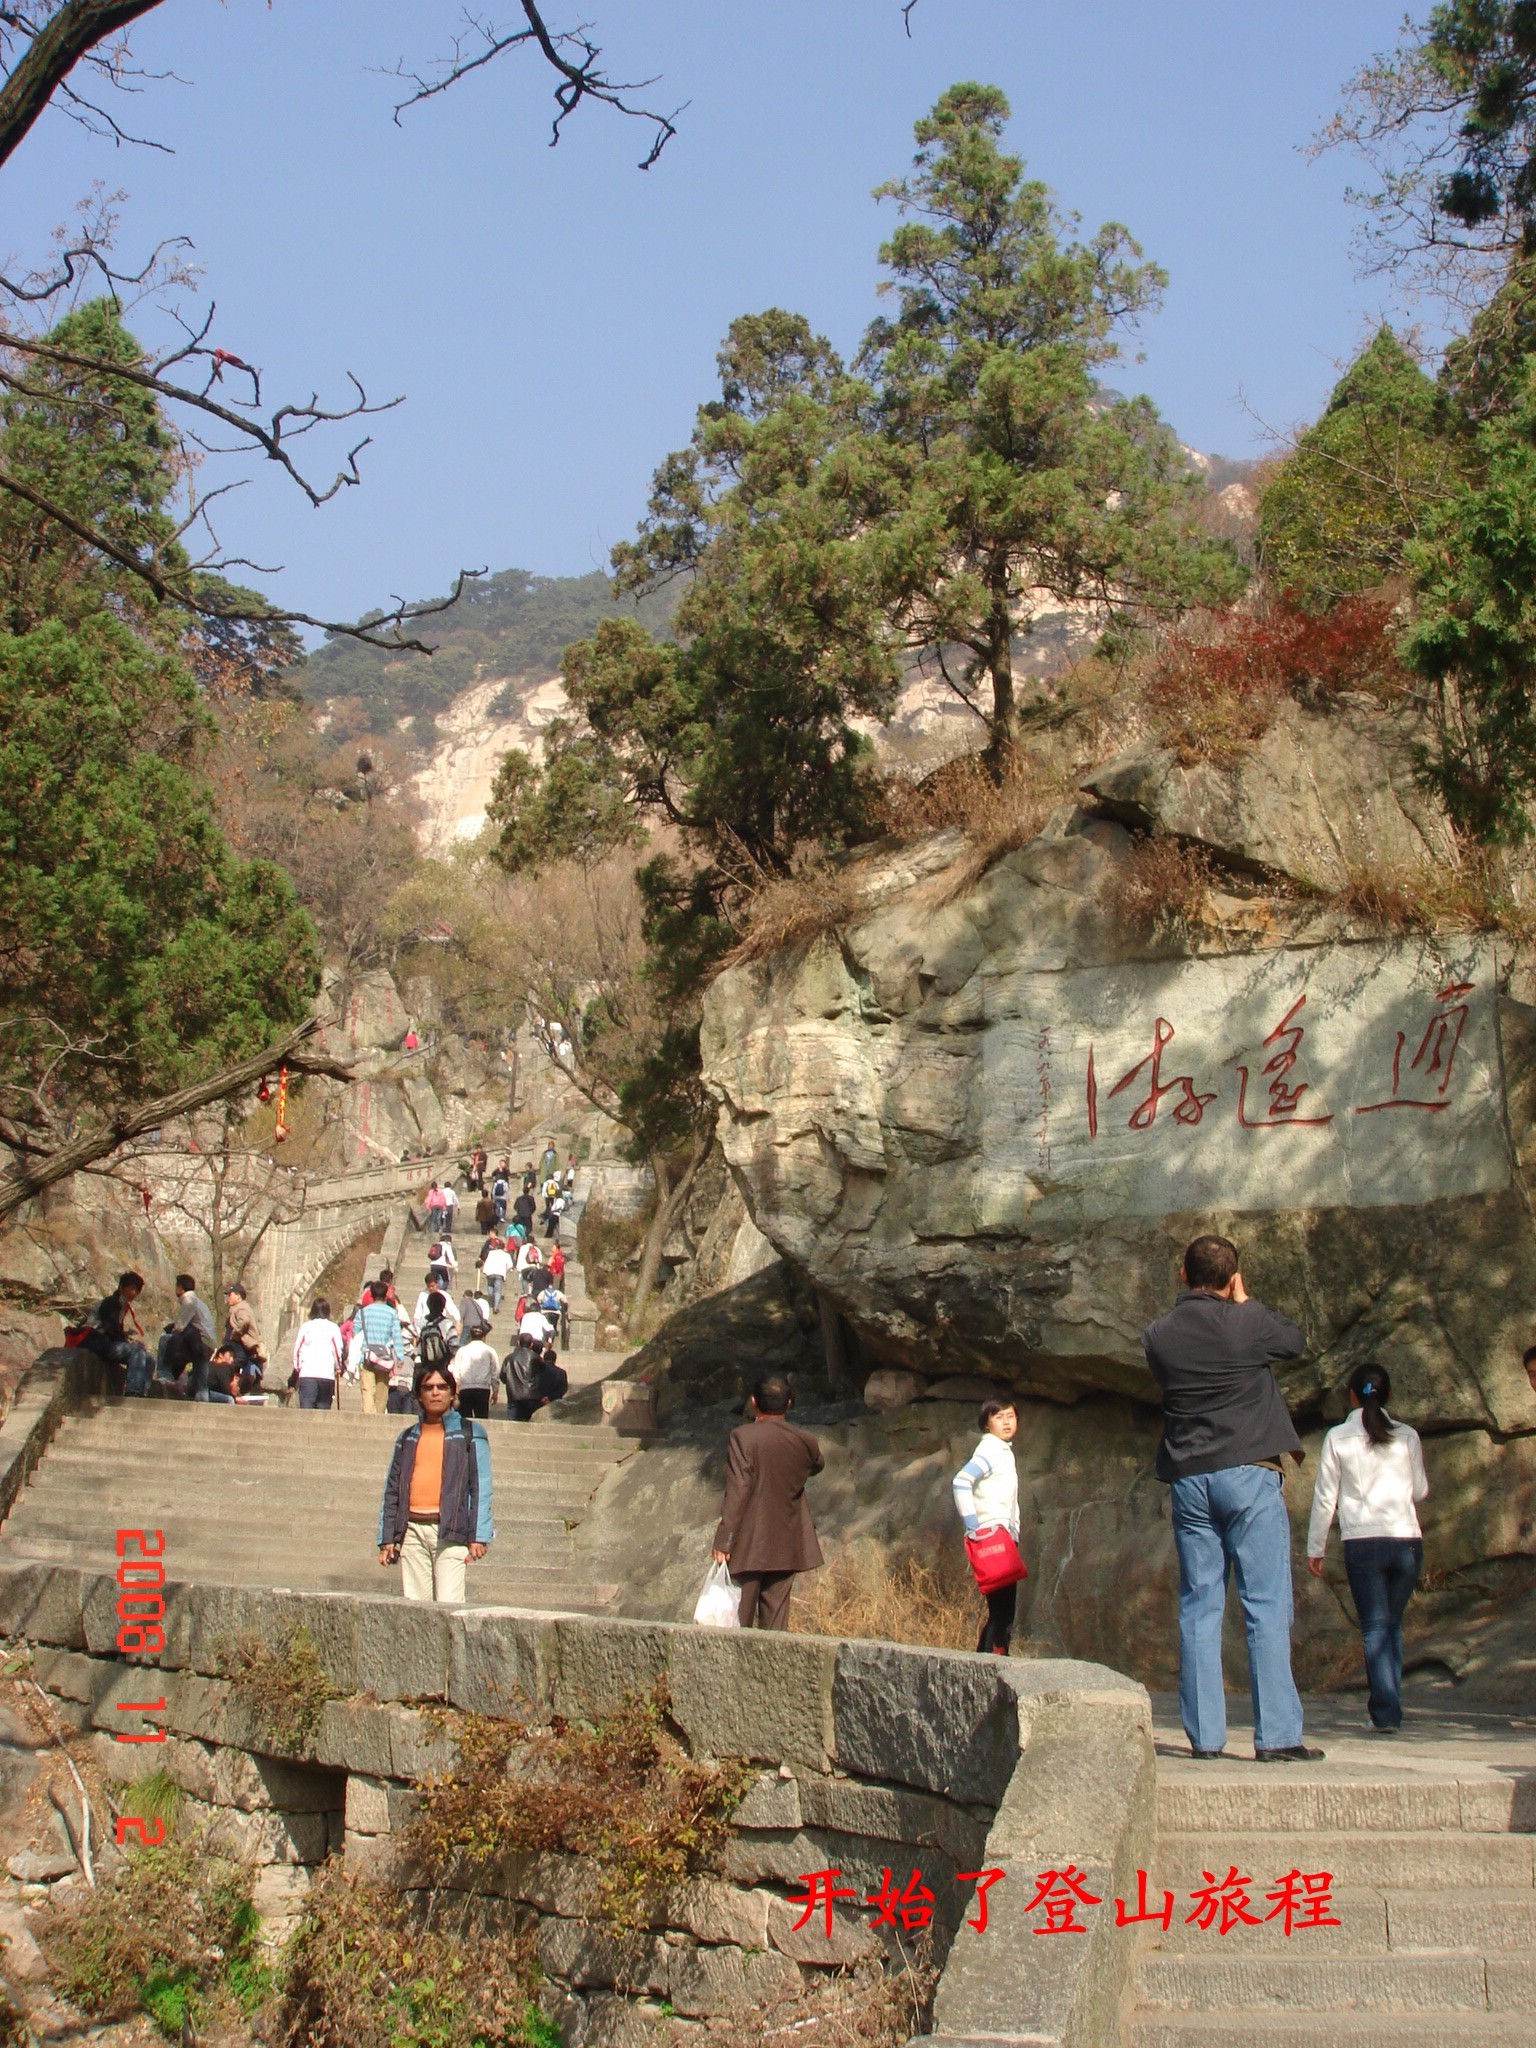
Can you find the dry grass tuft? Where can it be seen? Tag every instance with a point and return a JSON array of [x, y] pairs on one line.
[[1471, 893], [792, 910], [997, 817], [874, 1593], [1161, 887]]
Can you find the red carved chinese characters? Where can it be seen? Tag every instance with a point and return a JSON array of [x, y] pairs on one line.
[[1303, 1898], [1227, 1900], [1284, 1095], [822, 1891], [1189, 1108], [1435, 1059], [983, 1881], [913, 1903]]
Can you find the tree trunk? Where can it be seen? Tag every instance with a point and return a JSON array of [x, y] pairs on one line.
[[1003, 744], [669, 1206]]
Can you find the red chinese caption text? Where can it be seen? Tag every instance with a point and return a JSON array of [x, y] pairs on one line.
[[140, 1633], [1300, 1899]]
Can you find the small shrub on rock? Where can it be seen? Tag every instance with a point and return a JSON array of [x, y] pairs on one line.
[[283, 1685], [366, 1969], [875, 1593], [171, 1934], [1161, 886], [624, 1792]]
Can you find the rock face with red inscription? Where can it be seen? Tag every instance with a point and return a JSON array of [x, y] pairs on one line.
[[986, 1124]]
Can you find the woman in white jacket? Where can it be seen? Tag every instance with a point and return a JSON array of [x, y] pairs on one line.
[[987, 1494], [1372, 1471]]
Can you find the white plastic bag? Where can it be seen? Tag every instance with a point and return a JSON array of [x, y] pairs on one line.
[[719, 1605]]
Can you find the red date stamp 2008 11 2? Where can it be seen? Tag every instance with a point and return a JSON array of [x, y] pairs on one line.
[[141, 1632]]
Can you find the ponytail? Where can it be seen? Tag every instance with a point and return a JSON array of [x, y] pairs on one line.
[[1373, 1385]]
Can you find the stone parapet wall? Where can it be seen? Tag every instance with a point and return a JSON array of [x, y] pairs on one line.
[[872, 1757]]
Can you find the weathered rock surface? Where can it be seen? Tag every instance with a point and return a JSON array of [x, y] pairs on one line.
[[1317, 799]]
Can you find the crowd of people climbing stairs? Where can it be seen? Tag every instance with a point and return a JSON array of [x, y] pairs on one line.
[[375, 1345]]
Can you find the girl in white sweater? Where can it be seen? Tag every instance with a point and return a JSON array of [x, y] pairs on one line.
[[1372, 1471], [987, 1494]]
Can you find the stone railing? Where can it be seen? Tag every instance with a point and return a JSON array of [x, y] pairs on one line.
[[874, 1759]]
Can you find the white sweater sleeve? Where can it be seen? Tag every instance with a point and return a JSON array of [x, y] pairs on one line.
[[1325, 1498]]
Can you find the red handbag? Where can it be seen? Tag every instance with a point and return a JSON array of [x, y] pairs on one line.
[[995, 1560]]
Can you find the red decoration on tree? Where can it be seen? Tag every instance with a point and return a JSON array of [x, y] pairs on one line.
[[280, 1129]]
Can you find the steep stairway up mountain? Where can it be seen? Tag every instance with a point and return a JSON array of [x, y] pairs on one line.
[[276, 1496], [1429, 1845]]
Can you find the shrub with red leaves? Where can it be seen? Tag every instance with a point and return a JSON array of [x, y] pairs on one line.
[[1218, 690]]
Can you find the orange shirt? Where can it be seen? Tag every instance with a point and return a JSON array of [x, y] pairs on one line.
[[427, 1473]]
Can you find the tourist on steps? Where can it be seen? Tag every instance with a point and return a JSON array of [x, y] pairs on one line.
[[187, 1340], [1372, 1471], [114, 1333], [380, 1344], [242, 1339], [318, 1353], [475, 1368], [1226, 1432], [986, 1492], [495, 1265], [436, 1512], [766, 1534]]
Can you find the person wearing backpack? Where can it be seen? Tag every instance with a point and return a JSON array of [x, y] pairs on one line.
[[474, 1317], [520, 1377], [436, 1339], [435, 1517]]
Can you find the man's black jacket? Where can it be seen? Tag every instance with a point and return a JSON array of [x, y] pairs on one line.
[[1221, 1406]]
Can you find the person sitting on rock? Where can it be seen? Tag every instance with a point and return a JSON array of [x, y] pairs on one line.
[[187, 1340], [114, 1333], [435, 1516], [1226, 1432], [766, 1534]]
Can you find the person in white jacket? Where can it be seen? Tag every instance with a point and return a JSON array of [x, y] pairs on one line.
[[986, 1492], [1372, 1472]]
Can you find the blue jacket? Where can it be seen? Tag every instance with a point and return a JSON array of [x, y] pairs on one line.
[[464, 1513]]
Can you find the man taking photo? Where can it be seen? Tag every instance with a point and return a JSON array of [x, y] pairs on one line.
[[1226, 1433]]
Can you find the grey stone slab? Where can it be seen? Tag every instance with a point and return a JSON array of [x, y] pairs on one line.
[[1360, 1912], [1321, 2030], [43, 1603], [1405, 1805], [585, 1954], [1479, 1918], [783, 1858], [849, 1940], [853, 1808], [417, 1749], [378, 1806], [402, 1650], [1439, 1861], [502, 1662], [713, 1912], [943, 1724], [1511, 1983], [1316, 1984], [267, 1837], [600, 1661], [709, 1983], [754, 1694], [355, 1735], [70, 1674], [771, 1802]]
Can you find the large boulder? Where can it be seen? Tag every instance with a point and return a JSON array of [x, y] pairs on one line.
[[1317, 799]]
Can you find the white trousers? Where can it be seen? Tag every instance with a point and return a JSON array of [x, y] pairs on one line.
[[429, 1569]]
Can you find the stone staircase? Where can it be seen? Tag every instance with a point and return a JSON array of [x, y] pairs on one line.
[[1429, 1842], [275, 1496]]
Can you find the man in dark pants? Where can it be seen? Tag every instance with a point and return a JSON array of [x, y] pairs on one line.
[[766, 1534], [1226, 1431]]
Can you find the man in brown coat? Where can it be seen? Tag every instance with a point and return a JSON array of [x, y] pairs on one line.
[[766, 1534]]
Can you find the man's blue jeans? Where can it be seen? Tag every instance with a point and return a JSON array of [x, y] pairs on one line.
[[1224, 1523], [494, 1282], [1383, 1571]]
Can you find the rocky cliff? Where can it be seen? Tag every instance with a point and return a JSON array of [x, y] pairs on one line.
[[985, 1123]]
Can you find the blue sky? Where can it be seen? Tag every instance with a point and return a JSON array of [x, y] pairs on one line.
[[552, 315]]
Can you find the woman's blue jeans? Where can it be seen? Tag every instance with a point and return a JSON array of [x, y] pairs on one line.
[[1234, 1523], [1383, 1571]]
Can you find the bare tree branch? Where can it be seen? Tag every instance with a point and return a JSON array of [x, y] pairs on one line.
[[31, 1174], [581, 79], [52, 54]]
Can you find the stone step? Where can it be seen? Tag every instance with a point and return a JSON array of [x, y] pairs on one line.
[[196, 1537], [515, 1450], [1328, 2030], [1408, 1802], [1372, 1923], [1440, 1860], [1297, 1983]]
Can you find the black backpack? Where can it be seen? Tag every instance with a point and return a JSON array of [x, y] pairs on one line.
[[521, 1373], [432, 1346]]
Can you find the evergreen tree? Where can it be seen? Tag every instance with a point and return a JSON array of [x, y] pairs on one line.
[[1009, 471], [1339, 513]]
